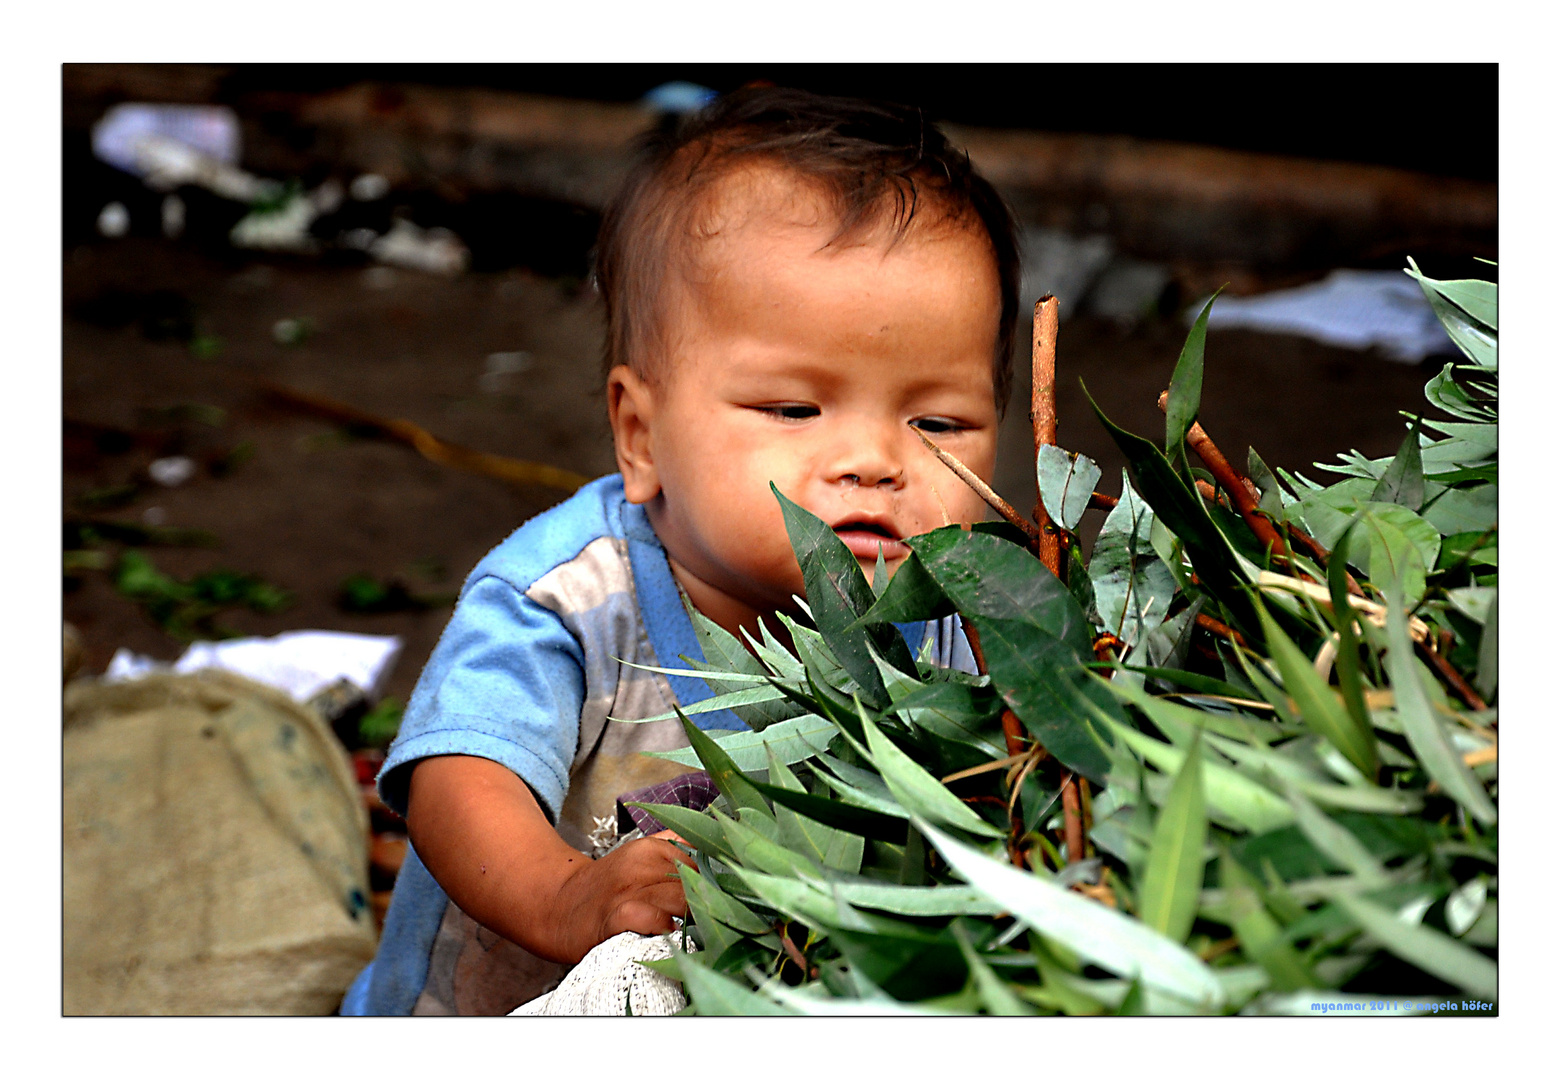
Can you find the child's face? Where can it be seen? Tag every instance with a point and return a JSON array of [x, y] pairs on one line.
[[813, 367]]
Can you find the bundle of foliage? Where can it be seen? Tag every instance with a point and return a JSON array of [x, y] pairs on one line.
[[1277, 692]]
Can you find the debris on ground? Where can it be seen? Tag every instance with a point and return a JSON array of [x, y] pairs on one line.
[[188, 609], [300, 663]]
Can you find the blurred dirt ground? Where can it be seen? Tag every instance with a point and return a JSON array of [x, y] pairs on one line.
[[154, 331]]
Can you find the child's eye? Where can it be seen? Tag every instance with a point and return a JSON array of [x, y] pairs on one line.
[[936, 425], [790, 411]]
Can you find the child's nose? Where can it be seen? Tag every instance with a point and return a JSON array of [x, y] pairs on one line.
[[870, 459]]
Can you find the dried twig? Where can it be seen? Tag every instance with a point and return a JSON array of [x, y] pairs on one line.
[[1234, 485], [991, 766], [976, 484], [1376, 613], [1013, 738]]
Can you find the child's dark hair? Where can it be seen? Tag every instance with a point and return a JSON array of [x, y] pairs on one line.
[[879, 162]]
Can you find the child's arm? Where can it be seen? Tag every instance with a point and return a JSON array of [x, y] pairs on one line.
[[479, 830]]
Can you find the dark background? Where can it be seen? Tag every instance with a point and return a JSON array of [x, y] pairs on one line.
[[1381, 114]]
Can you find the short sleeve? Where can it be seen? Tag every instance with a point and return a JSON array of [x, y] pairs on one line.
[[506, 682]]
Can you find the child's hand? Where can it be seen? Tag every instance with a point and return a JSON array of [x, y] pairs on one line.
[[634, 888], [480, 831]]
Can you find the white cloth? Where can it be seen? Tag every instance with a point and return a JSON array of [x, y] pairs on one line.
[[1354, 309], [610, 981]]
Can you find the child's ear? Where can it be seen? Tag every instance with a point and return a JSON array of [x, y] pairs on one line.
[[630, 409]]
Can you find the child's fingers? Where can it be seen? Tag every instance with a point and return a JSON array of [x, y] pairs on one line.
[[669, 851], [642, 917], [666, 896], [668, 834]]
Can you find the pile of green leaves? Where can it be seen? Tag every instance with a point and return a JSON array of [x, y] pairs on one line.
[[1296, 813]]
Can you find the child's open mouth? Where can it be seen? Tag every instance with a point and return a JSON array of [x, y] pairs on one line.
[[865, 536]]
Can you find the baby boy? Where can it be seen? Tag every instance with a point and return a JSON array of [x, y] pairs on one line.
[[797, 289]]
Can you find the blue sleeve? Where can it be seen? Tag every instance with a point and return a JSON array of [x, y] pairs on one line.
[[506, 682]]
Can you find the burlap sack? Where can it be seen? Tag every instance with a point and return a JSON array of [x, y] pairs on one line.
[[215, 856]]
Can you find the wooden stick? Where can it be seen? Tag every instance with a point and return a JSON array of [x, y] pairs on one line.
[[976, 484], [1044, 412], [1013, 740], [1044, 429], [1450, 675], [1073, 820], [1220, 629], [437, 450]]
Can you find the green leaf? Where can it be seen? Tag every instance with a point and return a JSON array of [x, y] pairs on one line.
[[1232, 796], [918, 790], [917, 900], [1262, 940], [1462, 510], [1335, 842], [1427, 737], [1103, 935], [997, 999], [1444, 391], [909, 962], [911, 596], [1347, 660], [1476, 339], [729, 780], [861, 789], [954, 711], [837, 595], [986, 576], [1169, 896], [805, 1004], [1133, 587], [1478, 299], [721, 649], [754, 850], [722, 906], [790, 740], [840, 816], [1271, 499], [1423, 947], [1320, 710], [831, 848], [734, 701], [1182, 510], [713, 994], [1393, 555], [698, 828], [1187, 385], [1066, 481], [1033, 632], [1486, 670], [1404, 482]]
